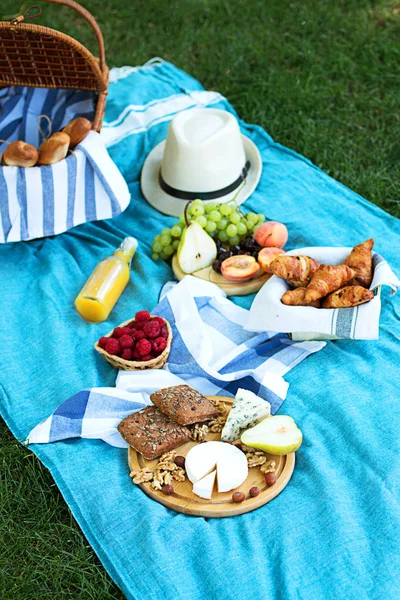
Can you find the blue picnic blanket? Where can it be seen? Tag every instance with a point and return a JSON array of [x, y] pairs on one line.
[[333, 532]]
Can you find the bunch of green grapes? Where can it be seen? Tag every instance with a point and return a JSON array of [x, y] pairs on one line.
[[224, 222]]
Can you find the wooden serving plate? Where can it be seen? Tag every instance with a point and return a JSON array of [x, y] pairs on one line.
[[231, 288], [221, 505]]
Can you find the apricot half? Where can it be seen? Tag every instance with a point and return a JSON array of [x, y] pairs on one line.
[[240, 267], [266, 256]]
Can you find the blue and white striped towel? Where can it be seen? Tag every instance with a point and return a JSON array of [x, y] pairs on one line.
[[210, 351], [48, 200]]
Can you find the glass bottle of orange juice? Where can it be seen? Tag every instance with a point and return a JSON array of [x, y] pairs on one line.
[[100, 293]]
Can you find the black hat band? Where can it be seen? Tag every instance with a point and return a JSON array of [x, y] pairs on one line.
[[182, 195]]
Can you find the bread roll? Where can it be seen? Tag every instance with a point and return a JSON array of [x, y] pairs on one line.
[[77, 130], [54, 149], [20, 154]]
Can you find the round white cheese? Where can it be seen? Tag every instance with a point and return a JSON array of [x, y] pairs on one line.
[[229, 461]]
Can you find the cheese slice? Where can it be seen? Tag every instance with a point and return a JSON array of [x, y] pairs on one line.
[[229, 461], [204, 487], [201, 460], [247, 410], [232, 468]]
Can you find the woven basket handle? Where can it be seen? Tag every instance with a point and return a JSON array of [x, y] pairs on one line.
[[92, 21]]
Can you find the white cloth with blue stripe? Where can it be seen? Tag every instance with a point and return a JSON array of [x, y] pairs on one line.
[[211, 351], [48, 200], [358, 322]]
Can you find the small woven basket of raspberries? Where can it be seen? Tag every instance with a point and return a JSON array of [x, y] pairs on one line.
[[140, 343]]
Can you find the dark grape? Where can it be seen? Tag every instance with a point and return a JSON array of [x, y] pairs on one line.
[[223, 254], [217, 266], [248, 244], [244, 253], [235, 249], [218, 244], [255, 254]]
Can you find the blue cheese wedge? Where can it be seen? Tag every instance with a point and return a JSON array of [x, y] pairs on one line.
[[247, 410]]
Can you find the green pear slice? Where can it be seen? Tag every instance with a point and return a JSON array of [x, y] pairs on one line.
[[276, 435], [196, 249]]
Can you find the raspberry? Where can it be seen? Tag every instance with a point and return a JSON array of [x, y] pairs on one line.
[[159, 345], [136, 354], [103, 341], [126, 342], [147, 357], [126, 354], [143, 347], [152, 329], [159, 320], [164, 332], [120, 331], [137, 334], [142, 315], [138, 325], [113, 346]]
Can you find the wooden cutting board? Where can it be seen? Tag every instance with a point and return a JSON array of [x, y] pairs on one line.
[[221, 505], [231, 288]]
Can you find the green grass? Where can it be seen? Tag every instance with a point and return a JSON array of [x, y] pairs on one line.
[[322, 76]]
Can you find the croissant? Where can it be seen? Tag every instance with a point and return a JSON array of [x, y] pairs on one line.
[[351, 295], [327, 279], [360, 260], [297, 298], [299, 284], [294, 268]]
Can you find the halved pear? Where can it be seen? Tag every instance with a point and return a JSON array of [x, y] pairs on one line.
[[196, 249], [276, 435]]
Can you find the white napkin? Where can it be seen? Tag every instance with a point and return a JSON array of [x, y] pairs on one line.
[[361, 322]]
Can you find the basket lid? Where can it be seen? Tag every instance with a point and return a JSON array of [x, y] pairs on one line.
[[37, 56]]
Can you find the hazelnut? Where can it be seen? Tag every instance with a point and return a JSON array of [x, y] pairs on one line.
[[180, 461], [167, 489], [238, 496], [254, 491], [270, 479]]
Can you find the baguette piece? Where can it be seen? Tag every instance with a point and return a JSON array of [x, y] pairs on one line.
[[327, 279], [348, 296], [54, 149], [360, 259], [294, 268], [183, 404], [77, 129], [297, 297], [20, 154], [152, 433]]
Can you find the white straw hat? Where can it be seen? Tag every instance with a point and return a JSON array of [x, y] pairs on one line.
[[204, 156]]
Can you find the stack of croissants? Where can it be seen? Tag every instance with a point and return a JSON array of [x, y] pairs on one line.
[[52, 150], [327, 286]]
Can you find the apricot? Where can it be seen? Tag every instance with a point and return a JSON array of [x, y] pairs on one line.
[[266, 256], [239, 267], [271, 234]]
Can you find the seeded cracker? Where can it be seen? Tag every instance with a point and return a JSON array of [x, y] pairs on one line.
[[152, 433], [183, 404]]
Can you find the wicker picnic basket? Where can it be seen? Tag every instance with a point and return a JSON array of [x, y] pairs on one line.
[[133, 365], [37, 56]]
